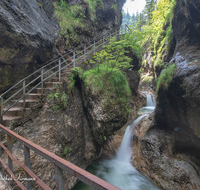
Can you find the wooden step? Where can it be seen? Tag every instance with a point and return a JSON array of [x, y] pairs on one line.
[[39, 90], [57, 79], [33, 96], [50, 84], [15, 111], [9, 120], [28, 103]]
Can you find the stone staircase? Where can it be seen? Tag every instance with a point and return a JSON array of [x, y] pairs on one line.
[[76, 58], [16, 112]]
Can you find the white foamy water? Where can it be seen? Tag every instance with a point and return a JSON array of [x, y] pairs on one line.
[[124, 152], [151, 103], [151, 100], [119, 171]]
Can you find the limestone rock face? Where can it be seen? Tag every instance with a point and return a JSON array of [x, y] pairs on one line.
[[103, 122], [30, 34], [170, 149], [152, 156], [26, 39], [66, 133]]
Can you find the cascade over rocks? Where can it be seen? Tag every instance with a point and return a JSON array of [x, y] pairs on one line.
[[169, 151], [30, 34]]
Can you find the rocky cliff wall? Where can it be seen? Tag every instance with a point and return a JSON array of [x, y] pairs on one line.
[[30, 33], [169, 151]]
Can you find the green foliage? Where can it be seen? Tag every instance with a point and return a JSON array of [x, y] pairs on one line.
[[114, 6], [93, 6], [166, 77], [77, 71], [147, 79], [113, 56], [67, 149], [40, 5], [140, 71], [59, 98], [55, 107], [133, 40], [72, 17], [52, 95], [104, 137], [69, 18], [155, 24], [110, 84], [106, 78]]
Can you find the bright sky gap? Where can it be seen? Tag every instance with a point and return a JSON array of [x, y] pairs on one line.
[[134, 6]]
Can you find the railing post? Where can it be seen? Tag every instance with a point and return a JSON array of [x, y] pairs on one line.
[[42, 84], [94, 47], [103, 40], [27, 162], [59, 178], [74, 58], [0, 147], [1, 109], [84, 53], [9, 146], [59, 67], [0, 152], [24, 92]]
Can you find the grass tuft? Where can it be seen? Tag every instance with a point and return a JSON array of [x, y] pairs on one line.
[[166, 77]]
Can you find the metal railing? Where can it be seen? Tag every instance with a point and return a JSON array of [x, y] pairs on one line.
[[55, 67], [59, 164]]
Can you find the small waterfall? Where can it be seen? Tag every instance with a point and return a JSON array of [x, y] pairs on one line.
[[151, 100], [124, 152], [119, 171], [151, 103]]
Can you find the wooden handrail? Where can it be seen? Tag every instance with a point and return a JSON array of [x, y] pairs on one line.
[[60, 164]]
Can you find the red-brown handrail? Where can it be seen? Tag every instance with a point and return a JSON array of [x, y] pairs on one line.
[[60, 164]]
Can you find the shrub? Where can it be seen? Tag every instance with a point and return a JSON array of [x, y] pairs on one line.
[[111, 84], [58, 97], [166, 77]]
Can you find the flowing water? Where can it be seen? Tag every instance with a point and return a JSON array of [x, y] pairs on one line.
[[119, 171], [151, 103]]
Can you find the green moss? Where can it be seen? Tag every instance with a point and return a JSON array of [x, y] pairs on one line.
[[111, 86], [147, 79], [93, 6], [69, 19], [166, 77], [114, 6]]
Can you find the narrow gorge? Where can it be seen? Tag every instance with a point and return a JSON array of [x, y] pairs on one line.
[[130, 112]]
